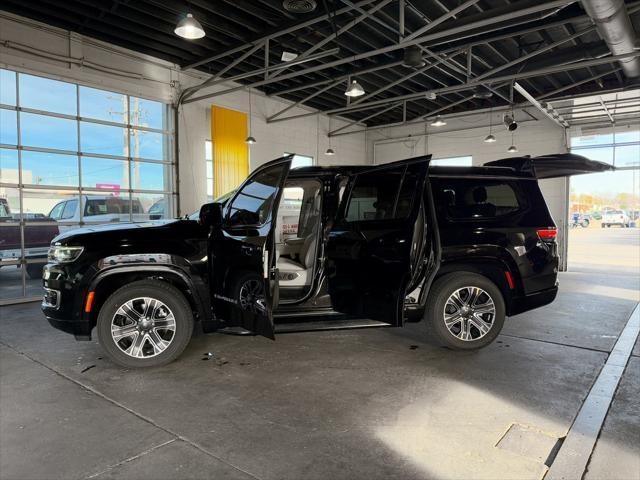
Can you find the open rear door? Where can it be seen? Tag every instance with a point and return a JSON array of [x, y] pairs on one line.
[[244, 280], [372, 245], [553, 166]]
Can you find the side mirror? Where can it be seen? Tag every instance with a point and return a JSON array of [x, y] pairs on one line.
[[211, 214]]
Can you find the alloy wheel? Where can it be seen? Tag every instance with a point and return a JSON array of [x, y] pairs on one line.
[[251, 296], [143, 327], [469, 313]]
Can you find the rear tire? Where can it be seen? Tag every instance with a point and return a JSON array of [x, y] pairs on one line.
[[156, 338], [451, 316]]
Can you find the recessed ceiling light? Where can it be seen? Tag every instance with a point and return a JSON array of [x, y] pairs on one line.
[[189, 28]]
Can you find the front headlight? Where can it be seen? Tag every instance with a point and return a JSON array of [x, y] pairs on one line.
[[62, 254]]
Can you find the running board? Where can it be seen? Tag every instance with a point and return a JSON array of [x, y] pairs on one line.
[[329, 325]]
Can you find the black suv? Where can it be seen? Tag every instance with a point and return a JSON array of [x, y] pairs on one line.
[[317, 248]]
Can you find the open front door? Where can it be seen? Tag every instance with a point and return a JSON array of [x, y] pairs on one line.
[[553, 166], [244, 280], [372, 247]]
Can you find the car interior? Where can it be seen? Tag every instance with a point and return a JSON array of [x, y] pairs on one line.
[[297, 238]]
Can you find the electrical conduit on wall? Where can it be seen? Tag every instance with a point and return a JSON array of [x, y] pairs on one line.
[[230, 152]]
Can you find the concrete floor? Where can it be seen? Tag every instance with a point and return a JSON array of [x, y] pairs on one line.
[[376, 403]]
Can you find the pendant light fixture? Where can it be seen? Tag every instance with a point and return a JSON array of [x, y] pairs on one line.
[[438, 122], [250, 140], [330, 150], [354, 90], [512, 148], [490, 138], [189, 28], [413, 57]]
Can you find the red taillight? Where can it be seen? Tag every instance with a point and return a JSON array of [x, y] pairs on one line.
[[548, 234], [509, 278]]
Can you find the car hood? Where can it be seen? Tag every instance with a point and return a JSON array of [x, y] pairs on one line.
[[110, 230]]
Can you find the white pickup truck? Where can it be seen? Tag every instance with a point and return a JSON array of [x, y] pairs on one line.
[[98, 209], [615, 217]]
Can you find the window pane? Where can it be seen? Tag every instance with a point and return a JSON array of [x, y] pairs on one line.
[[103, 139], [453, 162], [149, 176], [147, 113], [626, 136], [152, 207], [208, 150], [627, 156], [49, 95], [39, 168], [595, 139], [374, 195], [10, 282], [7, 87], [103, 105], [39, 203], [151, 145], [252, 206], [48, 132], [8, 166], [105, 173], [8, 127], [9, 204]]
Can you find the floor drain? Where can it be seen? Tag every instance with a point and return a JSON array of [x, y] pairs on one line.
[[530, 442]]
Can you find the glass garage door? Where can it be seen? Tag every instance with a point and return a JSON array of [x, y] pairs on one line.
[[71, 155]]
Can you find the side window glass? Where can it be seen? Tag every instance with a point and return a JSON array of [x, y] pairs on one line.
[[473, 199], [69, 210], [374, 195], [252, 205], [56, 212]]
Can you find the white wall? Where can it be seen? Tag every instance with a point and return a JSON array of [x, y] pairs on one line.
[[36, 48]]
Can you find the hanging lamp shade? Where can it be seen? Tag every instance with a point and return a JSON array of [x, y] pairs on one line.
[[329, 151], [489, 138], [250, 140], [413, 57], [354, 90], [189, 28], [512, 149], [438, 122]]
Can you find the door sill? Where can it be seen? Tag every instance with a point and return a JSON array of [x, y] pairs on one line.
[[329, 325]]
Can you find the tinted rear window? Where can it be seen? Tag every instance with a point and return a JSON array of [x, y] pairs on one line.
[[475, 199]]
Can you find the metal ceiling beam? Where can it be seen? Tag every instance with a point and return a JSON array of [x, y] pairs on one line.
[[276, 34], [489, 19], [345, 28], [305, 99], [606, 110], [548, 110], [475, 83], [577, 84], [434, 23], [446, 107], [362, 120]]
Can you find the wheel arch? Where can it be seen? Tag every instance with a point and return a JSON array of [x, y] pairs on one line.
[[107, 282], [493, 269]]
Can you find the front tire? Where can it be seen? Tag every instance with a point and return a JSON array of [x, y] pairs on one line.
[[147, 323], [465, 311]]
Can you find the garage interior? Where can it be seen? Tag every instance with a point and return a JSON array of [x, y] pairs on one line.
[[104, 100]]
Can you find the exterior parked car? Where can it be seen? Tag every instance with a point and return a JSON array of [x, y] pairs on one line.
[[615, 217], [461, 248], [39, 230], [97, 209]]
